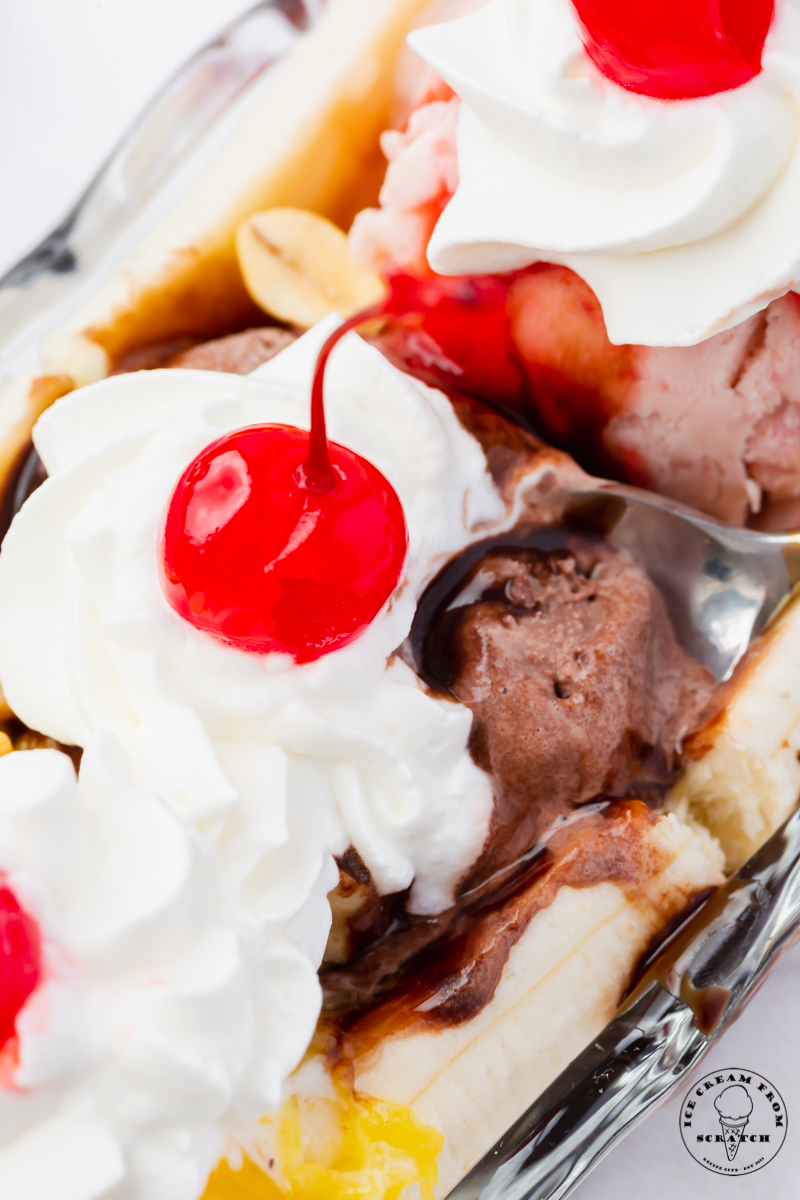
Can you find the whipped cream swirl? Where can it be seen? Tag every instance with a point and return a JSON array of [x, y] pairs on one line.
[[164, 1021], [681, 215], [278, 765]]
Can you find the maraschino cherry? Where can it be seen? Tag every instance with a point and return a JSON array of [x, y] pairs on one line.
[[676, 49], [20, 961], [276, 539]]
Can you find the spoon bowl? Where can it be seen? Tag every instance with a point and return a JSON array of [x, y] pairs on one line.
[[721, 585]]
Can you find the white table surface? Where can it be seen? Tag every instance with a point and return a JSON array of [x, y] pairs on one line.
[[73, 74]]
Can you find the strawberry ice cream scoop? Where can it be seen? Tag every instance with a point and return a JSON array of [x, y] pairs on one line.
[[421, 177], [715, 425]]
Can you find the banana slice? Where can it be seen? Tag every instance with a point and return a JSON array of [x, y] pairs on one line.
[[23, 399], [561, 984], [297, 267], [743, 777], [309, 138]]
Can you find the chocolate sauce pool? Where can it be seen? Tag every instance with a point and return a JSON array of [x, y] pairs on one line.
[[28, 475]]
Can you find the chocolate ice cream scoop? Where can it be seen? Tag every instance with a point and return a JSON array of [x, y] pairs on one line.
[[237, 354], [561, 646], [578, 687]]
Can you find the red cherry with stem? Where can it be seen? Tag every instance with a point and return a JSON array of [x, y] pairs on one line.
[[676, 49], [20, 961], [276, 539]]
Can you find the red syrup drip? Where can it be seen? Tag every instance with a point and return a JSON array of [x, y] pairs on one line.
[[676, 49], [20, 962], [276, 539], [459, 333], [455, 332]]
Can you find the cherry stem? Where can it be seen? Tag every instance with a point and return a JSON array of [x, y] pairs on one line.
[[319, 472]]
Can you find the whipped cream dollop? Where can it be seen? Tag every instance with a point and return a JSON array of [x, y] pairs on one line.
[[165, 1018], [278, 765], [681, 215]]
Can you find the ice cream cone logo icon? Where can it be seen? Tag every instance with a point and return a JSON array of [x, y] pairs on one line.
[[734, 1106], [733, 1121]]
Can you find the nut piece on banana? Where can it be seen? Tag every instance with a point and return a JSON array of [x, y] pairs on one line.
[[298, 268]]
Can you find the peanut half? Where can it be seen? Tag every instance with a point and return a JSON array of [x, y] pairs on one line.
[[297, 266]]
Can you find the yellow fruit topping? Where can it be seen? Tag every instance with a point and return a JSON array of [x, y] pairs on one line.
[[348, 1148]]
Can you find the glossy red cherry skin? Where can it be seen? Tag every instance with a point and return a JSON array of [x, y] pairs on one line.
[[20, 961], [676, 49], [255, 556]]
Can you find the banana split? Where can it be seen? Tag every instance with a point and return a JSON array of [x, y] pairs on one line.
[[391, 766]]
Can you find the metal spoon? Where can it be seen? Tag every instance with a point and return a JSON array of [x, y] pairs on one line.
[[721, 585]]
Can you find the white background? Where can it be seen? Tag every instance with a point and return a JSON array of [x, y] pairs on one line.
[[73, 74]]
